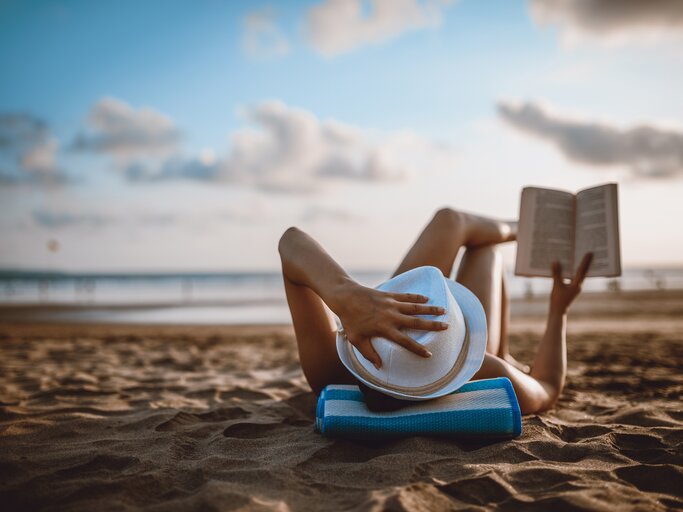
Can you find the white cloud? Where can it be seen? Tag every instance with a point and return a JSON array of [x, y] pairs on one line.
[[117, 129], [318, 213], [28, 151], [646, 150], [338, 26], [41, 157], [280, 148], [262, 36], [53, 219], [611, 21], [289, 149], [107, 215]]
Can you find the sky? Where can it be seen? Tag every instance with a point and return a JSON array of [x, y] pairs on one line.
[[187, 136]]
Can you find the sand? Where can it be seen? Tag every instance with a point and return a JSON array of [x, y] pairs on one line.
[[220, 418]]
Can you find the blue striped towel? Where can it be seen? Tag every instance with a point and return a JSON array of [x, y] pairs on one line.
[[479, 409]]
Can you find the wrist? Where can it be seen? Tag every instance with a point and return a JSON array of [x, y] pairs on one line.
[[557, 312], [340, 293]]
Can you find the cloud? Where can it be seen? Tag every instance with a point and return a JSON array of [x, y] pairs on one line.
[[338, 26], [66, 218], [262, 36], [56, 220], [613, 21], [256, 211], [28, 151], [646, 150], [317, 213], [118, 130], [287, 149], [109, 215]]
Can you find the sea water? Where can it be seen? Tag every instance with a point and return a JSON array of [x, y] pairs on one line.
[[226, 298]]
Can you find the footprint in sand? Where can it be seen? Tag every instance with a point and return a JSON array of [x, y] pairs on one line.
[[185, 419]]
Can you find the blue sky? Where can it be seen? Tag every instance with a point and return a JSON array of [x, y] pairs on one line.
[[187, 59], [188, 135]]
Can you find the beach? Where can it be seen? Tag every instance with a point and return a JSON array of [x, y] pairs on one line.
[[213, 417]]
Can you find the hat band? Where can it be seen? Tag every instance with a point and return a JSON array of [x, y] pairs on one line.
[[426, 389]]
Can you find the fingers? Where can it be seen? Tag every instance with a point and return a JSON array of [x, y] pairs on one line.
[[409, 297], [365, 347], [556, 268], [420, 324], [409, 343], [583, 269], [419, 309]]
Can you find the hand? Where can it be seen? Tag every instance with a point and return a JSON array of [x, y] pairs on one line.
[[564, 293], [366, 313]]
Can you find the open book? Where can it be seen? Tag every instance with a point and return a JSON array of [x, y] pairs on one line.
[[557, 225]]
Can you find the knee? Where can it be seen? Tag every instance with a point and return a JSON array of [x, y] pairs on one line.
[[448, 219]]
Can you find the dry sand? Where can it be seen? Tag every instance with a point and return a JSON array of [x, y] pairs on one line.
[[220, 418]]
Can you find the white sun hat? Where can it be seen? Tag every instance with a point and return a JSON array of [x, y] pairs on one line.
[[457, 352]]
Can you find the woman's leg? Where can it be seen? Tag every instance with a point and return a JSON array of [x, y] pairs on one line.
[[315, 331], [446, 233], [481, 271], [504, 349]]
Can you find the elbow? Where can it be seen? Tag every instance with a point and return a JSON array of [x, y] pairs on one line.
[[285, 239], [542, 400], [553, 393]]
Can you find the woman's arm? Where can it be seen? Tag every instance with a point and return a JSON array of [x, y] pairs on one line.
[[306, 263], [540, 389], [364, 312], [550, 363]]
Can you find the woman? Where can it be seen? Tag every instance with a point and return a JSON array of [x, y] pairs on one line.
[[313, 280]]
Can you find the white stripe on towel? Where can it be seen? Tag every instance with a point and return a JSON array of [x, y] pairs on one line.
[[472, 400], [343, 387]]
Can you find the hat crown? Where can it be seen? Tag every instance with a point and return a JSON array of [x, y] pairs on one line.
[[402, 368]]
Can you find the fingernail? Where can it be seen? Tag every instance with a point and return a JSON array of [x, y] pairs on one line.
[[443, 325], [427, 353], [441, 311], [378, 365]]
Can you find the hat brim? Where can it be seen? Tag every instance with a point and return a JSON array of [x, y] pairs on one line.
[[475, 317]]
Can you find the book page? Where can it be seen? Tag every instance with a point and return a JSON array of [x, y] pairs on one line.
[[546, 232], [597, 230]]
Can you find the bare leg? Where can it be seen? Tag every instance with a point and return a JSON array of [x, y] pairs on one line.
[[446, 233], [504, 349], [481, 271]]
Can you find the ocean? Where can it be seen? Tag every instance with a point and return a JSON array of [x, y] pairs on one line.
[[224, 298]]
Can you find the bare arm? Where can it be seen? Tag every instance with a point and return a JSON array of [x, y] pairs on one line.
[[540, 389], [306, 263], [364, 312], [550, 363]]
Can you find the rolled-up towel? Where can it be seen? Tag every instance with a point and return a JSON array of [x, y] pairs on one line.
[[479, 409]]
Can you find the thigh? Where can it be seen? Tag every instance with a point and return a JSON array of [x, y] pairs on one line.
[[481, 271], [438, 244], [315, 331]]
